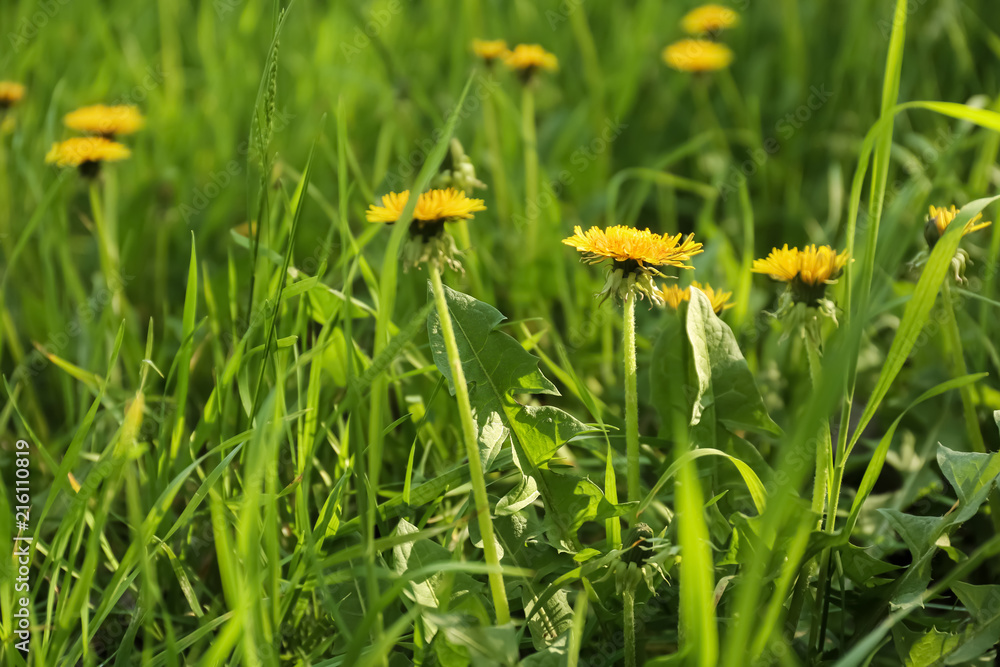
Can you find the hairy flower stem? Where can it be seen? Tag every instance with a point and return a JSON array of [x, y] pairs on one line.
[[631, 401], [482, 504], [628, 620]]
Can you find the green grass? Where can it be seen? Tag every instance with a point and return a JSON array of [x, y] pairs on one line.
[[245, 442]]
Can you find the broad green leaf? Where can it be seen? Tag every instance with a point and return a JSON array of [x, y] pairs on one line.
[[932, 648], [919, 533], [579, 500], [878, 457], [552, 656], [486, 645], [738, 403], [436, 591], [862, 567], [983, 604], [701, 356], [971, 475], [496, 368], [519, 497], [551, 622], [669, 364]]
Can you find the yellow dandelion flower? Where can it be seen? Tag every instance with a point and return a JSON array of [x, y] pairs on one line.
[[697, 55], [391, 208], [428, 242], [709, 19], [11, 93], [821, 264], [807, 271], [779, 264], [87, 153], [528, 58], [628, 244], [939, 218], [104, 120], [490, 49], [634, 254], [432, 206], [813, 265], [718, 298], [674, 295]]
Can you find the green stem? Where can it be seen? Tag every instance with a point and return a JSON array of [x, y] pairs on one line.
[[629, 622], [631, 401], [706, 111], [612, 525], [496, 163], [482, 503], [7, 208], [576, 631], [530, 169], [817, 632], [595, 81], [823, 482], [107, 248]]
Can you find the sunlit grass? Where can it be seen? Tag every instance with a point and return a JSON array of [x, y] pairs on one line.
[[238, 394]]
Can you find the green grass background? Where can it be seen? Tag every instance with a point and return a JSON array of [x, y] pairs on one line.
[[368, 86]]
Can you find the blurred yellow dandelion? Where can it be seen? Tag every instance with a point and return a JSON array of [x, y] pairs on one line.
[[709, 19], [86, 152], [107, 121], [11, 93], [718, 298], [674, 295], [490, 49], [528, 58], [697, 55]]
